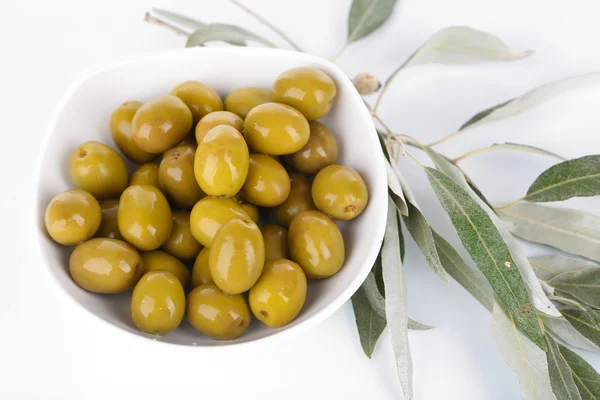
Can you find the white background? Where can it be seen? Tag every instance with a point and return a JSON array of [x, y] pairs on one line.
[[51, 349]]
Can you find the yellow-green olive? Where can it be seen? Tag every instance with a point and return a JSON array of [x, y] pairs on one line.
[[251, 209], [160, 124], [210, 213], [217, 118], [144, 217], [278, 296], [217, 314], [176, 177], [316, 244], [309, 90], [72, 217], [103, 265], [275, 128], [340, 192], [237, 256], [120, 129], [146, 174], [267, 183], [276, 242], [160, 261], [158, 303], [99, 170], [182, 243], [299, 199], [221, 163], [320, 151], [200, 98], [109, 226], [201, 272], [242, 100]]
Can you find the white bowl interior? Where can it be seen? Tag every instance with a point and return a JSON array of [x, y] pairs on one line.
[[84, 115]]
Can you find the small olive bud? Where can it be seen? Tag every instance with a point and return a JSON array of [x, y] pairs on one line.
[[366, 83]]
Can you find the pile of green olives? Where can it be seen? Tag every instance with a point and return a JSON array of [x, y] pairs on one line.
[[230, 209]]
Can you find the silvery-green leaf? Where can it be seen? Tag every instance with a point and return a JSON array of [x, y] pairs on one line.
[[395, 300], [417, 326], [366, 16], [487, 248], [568, 301], [462, 273], [566, 331], [537, 295], [569, 230], [526, 359], [583, 284], [395, 189], [585, 376], [182, 21], [572, 178], [369, 324], [561, 376], [525, 148], [226, 33], [531, 99], [587, 322], [547, 267]]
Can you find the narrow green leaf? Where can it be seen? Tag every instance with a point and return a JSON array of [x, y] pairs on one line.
[[483, 114], [525, 148], [369, 324], [226, 33], [561, 376], [378, 273], [487, 248], [572, 178], [583, 284], [366, 16], [395, 189], [585, 376], [188, 23], [587, 322], [417, 326], [547, 267], [566, 331], [476, 190]]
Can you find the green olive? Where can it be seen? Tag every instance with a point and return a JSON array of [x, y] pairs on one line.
[[160, 261], [72, 217], [309, 90], [217, 314], [144, 217], [267, 183], [120, 129], [276, 242], [158, 303], [316, 243], [299, 199], [201, 272], [217, 118], [279, 294], [275, 128], [146, 174], [200, 98], [182, 243], [221, 163], [320, 151], [242, 100], [210, 213], [250, 209], [340, 192], [160, 124], [176, 177], [104, 265], [237, 256], [109, 226], [99, 170]]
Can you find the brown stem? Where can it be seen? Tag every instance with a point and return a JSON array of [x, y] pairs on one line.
[[157, 21]]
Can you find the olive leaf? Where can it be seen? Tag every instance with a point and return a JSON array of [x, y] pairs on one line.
[[561, 376], [395, 189], [547, 267], [566, 229], [587, 322], [366, 16], [224, 32], [572, 178], [370, 325], [583, 284], [417, 326], [566, 331], [525, 148], [585, 376]]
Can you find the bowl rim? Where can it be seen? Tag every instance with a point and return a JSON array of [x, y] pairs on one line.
[[285, 333]]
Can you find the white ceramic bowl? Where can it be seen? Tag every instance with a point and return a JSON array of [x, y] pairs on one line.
[[84, 113]]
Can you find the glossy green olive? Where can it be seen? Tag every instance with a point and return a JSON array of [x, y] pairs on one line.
[[144, 217], [158, 303], [99, 170], [181, 243], [340, 192], [200, 98], [250, 209], [201, 272], [176, 177], [217, 314], [103, 265], [237, 256], [242, 100], [120, 129], [320, 151], [278, 296], [276, 242], [160, 261], [267, 183], [146, 174], [72, 217], [299, 199], [210, 213], [316, 244], [109, 226], [309, 90], [217, 118], [275, 128], [160, 124], [221, 163]]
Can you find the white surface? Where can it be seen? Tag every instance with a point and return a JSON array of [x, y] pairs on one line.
[[50, 350]]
